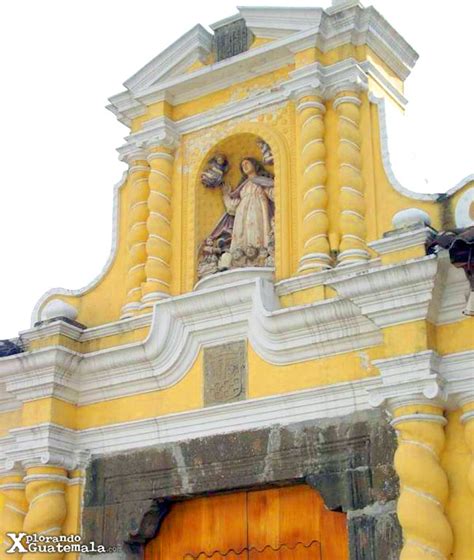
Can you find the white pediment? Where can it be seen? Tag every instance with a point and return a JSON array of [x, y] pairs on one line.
[[278, 22], [191, 47], [290, 30]]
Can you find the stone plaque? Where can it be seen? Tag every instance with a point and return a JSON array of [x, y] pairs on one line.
[[225, 373], [231, 39]]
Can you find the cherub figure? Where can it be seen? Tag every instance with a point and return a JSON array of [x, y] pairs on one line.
[[262, 256], [267, 155], [251, 253], [214, 173], [238, 258], [208, 263]]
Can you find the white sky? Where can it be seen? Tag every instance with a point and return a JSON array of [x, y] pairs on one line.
[[62, 60]]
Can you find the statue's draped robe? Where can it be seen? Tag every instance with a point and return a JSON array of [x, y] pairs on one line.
[[250, 209]]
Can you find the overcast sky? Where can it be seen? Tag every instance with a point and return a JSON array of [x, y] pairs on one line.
[[62, 60]]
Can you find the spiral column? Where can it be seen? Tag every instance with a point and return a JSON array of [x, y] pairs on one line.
[[468, 421], [158, 246], [352, 227], [423, 483], [45, 492], [315, 252], [14, 511], [137, 231]]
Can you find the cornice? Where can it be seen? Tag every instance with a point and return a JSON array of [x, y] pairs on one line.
[[450, 292], [61, 328], [48, 372], [313, 279], [398, 240], [313, 404], [245, 309], [42, 444], [409, 379], [294, 30], [391, 294], [50, 443], [291, 335], [275, 22], [457, 371], [425, 378], [326, 81], [420, 378], [370, 297], [197, 41]]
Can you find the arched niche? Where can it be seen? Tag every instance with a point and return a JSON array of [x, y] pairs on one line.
[[237, 144]]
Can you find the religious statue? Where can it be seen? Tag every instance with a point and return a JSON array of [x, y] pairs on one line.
[[244, 235]]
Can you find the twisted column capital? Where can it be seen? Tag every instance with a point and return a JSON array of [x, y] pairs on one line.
[[411, 379]]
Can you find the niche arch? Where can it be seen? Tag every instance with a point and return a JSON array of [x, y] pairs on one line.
[[238, 142]]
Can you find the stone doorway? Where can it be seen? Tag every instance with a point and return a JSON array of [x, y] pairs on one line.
[[288, 523]]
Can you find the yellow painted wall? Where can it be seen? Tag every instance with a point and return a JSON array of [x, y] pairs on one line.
[[460, 511], [9, 420], [195, 211]]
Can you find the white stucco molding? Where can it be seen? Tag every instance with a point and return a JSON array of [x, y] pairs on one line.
[[49, 443], [401, 239], [417, 378], [61, 328], [50, 372], [425, 378], [181, 326], [293, 29], [369, 299], [457, 371], [325, 81], [42, 444], [194, 45], [113, 251], [391, 294], [275, 22], [409, 379]]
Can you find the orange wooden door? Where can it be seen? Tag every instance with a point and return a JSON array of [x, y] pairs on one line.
[[278, 524]]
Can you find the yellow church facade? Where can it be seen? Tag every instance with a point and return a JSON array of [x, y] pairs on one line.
[[276, 324]]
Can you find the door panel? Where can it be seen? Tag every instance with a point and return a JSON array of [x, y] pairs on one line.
[[288, 523], [204, 526], [283, 516], [218, 556], [299, 552]]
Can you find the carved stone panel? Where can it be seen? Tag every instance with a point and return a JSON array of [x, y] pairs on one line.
[[225, 373], [231, 39]]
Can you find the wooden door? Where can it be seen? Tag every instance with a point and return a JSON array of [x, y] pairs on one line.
[[288, 523]]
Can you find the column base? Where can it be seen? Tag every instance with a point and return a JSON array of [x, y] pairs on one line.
[[352, 256], [151, 298]]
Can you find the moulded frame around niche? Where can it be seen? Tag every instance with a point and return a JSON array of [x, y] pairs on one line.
[[235, 275], [282, 171]]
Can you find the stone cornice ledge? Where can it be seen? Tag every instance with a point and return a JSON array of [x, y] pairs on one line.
[[61, 328], [352, 26], [391, 294], [42, 444], [424, 378], [180, 327], [326, 81], [50, 443], [369, 299]]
